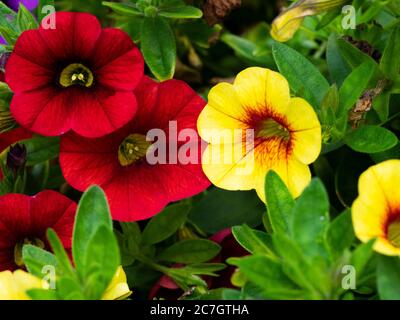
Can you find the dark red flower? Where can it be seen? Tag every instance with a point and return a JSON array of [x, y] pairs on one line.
[[117, 162], [25, 219], [75, 77]]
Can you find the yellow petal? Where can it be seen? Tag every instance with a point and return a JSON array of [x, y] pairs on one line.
[[13, 286], [299, 176], [301, 116], [118, 289], [383, 246], [368, 220], [261, 89], [307, 144], [227, 171], [214, 125], [224, 99]]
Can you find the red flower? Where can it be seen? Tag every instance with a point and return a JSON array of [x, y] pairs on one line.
[[76, 76], [25, 219], [117, 162]]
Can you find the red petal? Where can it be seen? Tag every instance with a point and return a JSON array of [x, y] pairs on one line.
[[102, 112], [50, 209], [44, 111], [74, 37], [24, 75], [88, 161], [118, 63]]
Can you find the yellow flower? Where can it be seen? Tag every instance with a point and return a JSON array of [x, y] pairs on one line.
[[286, 133], [118, 288], [286, 24], [13, 285], [376, 211]]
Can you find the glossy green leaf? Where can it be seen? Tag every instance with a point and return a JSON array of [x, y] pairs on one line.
[[390, 61], [190, 251], [158, 47], [279, 202], [126, 9], [181, 12], [254, 241], [165, 224], [371, 139], [340, 234], [311, 220], [302, 75], [353, 86], [40, 149], [338, 67]]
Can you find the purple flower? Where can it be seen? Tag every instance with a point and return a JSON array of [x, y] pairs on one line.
[[14, 4]]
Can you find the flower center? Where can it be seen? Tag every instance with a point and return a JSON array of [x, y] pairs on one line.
[[393, 233], [18, 249], [76, 74], [133, 149], [271, 128]]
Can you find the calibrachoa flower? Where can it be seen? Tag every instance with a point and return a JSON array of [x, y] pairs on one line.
[[289, 21], [376, 211], [13, 285], [286, 133], [76, 76], [135, 188], [25, 220]]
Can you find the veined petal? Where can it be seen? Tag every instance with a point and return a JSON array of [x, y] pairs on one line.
[[261, 89], [307, 144]]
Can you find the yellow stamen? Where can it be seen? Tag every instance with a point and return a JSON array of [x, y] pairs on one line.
[[133, 149]]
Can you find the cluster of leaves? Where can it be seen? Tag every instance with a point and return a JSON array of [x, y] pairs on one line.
[[95, 254]]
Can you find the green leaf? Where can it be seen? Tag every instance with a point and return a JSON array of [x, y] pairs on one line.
[[40, 149], [254, 241], [279, 202], [311, 219], [126, 9], [301, 73], [311, 276], [190, 251], [329, 107], [63, 262], [25, 19], [361, 257], [129, 242], [165, 224], [267, 274], [390, 61], [371, 139], [340, 234], [158, 47], [93, 212], [353, 86], [352, 55], [246, 50], [220, 209], [36, 258], [388, 278], [339, 69], [208, 269], [101, 262], [42, 294], [181, 12]]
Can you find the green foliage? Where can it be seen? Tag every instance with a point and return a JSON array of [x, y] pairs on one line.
[[95, 253]]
